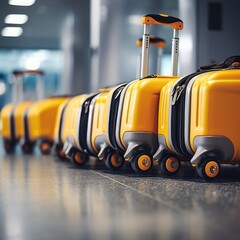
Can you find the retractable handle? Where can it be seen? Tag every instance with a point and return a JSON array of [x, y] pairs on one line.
[[160, 43], [18, 89], [160, 19]]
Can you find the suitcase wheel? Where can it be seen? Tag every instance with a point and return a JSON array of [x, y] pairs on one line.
[[45, 147], [27, 148], [169, 165], [209, 169], [78, 158], [59, 152], [142, 163], [9, 147], [114, 160]]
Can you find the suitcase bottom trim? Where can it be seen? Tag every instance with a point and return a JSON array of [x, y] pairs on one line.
[[140, 141], [219, 146]]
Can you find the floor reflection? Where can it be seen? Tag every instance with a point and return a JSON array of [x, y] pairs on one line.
[[43, 198]]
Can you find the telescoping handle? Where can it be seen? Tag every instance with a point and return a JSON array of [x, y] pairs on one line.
[[160, 19], [20, 74], [155, 41]]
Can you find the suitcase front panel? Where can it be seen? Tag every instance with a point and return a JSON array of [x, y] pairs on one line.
[[41, 118], [214, 107], [71, 118], [59, 120], [164, 112], [141, 103], [96, 128], [6, 113], [19, 118]]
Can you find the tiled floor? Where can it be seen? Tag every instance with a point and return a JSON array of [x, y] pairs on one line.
[[43, 198]]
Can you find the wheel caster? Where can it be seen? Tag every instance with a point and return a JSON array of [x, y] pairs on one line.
[[141, 163], [27, 148], [169, 165], [114, 161], [45, 147], [209, 169], [9, 147], [59, 151], [78, 158]]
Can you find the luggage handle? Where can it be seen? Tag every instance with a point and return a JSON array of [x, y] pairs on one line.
[[18, 85], [160, 43], [233, 62], [160, 19]]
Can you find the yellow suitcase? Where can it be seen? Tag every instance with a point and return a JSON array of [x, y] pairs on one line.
[[39, 123], [94, 125], [74, 128], [13, 113], [200, 120], [130, 124], [98, 144], [58, 128]]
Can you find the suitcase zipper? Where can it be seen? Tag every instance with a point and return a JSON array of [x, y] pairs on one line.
[[113, 113], [177, 93], [177, 115], [82, 139], [86, 106]]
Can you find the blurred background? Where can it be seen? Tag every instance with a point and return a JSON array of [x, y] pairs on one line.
[[83, 45]]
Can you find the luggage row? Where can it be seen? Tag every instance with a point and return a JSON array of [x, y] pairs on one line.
[[167, 119]]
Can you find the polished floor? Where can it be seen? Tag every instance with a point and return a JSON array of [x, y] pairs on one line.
[[44, 198]]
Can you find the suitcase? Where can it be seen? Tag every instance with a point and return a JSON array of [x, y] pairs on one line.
[[79, 147], [39, 123], [200, 121], [130, 124], [58, 128], [12, 114], [75, 127]]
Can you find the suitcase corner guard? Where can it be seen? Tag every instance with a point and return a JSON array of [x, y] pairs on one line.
[[219, 146]]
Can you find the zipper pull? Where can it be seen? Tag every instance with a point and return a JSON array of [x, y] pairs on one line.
[[119, 92], [177, 93], [86, 105]]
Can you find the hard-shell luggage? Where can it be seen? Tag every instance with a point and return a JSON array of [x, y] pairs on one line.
[[75, 128], [58, 128], [130, 124], [39, 123], [13, 113], [87, 140], [200, 120]]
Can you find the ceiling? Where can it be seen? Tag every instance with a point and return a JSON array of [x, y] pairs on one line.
[[43, 27]]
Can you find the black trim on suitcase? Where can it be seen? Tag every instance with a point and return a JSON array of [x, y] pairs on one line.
[[113, 113], [178, 102], [26, 130], [60, 124], [12, 127], [84, 123]]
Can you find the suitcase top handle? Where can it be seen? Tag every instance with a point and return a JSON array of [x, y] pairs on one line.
[[18, 87], [162, 19], [231, 62], [156, 41], [29, 72]]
